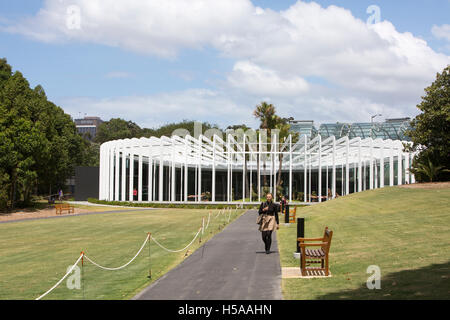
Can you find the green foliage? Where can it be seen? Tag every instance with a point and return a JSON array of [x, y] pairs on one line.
[[185, 125], [90, 156], [4, 187], [167, 205], [266, 114], [39, 145], [430, 131], [116, 129], [425, 170], [300, 196]]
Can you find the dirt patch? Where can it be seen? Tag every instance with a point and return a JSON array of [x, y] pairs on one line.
[[428, 185], [30, 214]]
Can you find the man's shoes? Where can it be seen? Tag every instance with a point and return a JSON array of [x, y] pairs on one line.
[[267, 251]]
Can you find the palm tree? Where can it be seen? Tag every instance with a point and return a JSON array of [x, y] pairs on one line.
[[426, 168], [265, 112]]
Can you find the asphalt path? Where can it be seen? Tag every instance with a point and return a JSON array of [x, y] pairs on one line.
[[231, 266]]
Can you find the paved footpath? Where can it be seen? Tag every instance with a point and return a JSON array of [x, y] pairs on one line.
[[231, 266]]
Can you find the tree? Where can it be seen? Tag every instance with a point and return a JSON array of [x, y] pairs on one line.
[[266, 114], [430, 131], [284, 129], [39, 144], [427, 171], [116, 129]]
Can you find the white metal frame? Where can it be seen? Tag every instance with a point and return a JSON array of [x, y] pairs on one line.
[[306, 156]]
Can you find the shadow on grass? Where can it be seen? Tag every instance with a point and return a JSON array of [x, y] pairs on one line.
[[31, 207], [431, 282]]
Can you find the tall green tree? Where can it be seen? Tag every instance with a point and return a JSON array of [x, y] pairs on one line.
[[39, 145], [116, 129], [430, 131], [266, 114]]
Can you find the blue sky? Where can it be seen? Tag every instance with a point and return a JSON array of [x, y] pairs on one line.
[[216, 67]]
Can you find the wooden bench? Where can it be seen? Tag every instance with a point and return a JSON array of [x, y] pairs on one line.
[[60, 207], [292, 214], [315, 256]]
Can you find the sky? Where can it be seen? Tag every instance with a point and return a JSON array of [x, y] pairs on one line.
[[161, 61]]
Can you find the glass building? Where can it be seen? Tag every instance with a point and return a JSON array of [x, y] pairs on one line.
[[336, 161], [393, 129]]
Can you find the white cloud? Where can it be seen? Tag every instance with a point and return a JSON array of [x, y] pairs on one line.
[[366, 67], [154, 110], [441, 32], [256, 80], [157, 27]]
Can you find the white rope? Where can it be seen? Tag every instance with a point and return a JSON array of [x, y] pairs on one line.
[[62, 279], [209, 217], [218, 213], [203, 225], [174, 251], [229, 216], [118, 268]]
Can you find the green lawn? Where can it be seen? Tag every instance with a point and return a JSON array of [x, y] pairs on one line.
[[34, 255], [406, 232]]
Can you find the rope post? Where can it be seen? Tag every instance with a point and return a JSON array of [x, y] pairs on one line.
[[82, 273], [149, 236], [201, 229]]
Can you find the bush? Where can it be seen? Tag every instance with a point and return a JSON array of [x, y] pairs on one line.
[[4, 187], [166, 205]]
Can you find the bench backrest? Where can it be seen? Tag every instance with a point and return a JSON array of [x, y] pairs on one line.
[[62, 206], [327, 235]]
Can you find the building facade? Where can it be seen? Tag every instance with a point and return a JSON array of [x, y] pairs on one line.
[[88, 126], [393, 129], [241, 169]]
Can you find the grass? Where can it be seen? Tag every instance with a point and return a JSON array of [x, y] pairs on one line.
[[189, 205], [406, 232], [93, 208], [36, 254]]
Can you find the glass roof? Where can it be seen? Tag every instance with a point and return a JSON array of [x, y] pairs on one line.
[[393, 129]]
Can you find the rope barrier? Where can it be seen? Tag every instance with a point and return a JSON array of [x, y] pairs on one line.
[[62, 279], [174, 251], [121, 267], [147, 239], [207, 224], [218, 213]]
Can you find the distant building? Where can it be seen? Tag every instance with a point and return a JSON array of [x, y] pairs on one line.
[[393, 129], [88, 126], [304, 127]]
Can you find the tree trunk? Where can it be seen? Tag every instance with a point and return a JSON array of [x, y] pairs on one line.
[[279, 171]]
